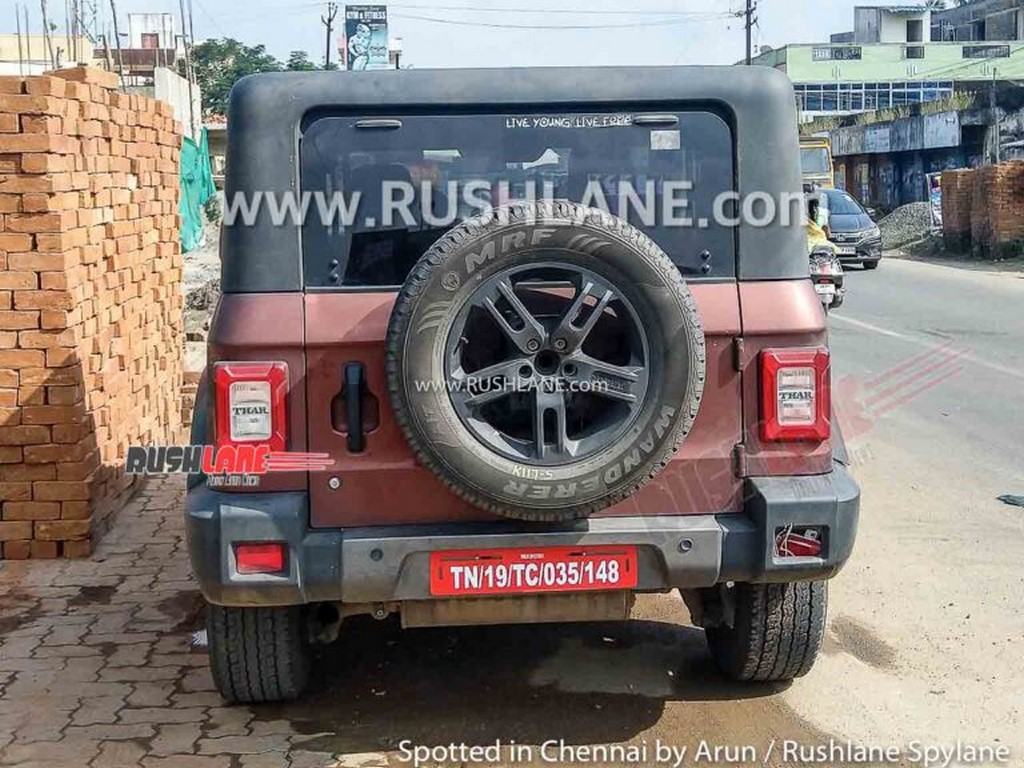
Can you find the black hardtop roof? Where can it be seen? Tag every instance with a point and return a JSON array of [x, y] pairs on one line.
[[267, 111]]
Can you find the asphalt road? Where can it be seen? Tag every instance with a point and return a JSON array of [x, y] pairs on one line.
[[926, 635], [929, 614]]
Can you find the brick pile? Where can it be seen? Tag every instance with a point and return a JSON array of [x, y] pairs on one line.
[[957, 193], [90, 307], [189, 390], [997, 209], [984, 209]]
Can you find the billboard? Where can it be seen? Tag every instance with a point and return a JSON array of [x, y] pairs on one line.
[[366, 35]]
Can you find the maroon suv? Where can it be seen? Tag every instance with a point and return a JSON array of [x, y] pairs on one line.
[[488, 405]]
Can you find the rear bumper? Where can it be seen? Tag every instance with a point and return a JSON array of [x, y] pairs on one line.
[[388, 564]]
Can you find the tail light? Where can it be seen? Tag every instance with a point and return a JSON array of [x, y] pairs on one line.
[[251, 404], [796, 396]]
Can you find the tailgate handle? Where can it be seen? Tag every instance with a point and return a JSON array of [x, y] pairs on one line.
[[354, 379]]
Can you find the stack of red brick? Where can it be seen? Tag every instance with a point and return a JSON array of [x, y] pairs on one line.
[[998, 205], [984, 208], [957, 192], [90, 307], [189, 390]]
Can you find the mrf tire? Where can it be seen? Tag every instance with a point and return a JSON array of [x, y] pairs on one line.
[[258, 655], [444, 279], [776, 634]]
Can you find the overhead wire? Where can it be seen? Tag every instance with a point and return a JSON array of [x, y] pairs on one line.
[[507, 25]]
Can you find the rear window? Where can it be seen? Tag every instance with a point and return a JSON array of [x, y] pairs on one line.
[[814, 160], [630, 158]]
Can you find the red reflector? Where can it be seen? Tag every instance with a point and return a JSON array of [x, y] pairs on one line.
[[798, 543], [796, 394], [259, 558]]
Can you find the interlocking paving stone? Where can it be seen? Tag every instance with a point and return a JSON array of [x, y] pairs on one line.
[[151, 694], [98, 710], [120, 754], [96, 665], [175, 739]]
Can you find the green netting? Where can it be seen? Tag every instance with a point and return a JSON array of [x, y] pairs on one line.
[[196, 188]]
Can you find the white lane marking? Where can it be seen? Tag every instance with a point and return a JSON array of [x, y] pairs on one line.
[[922, 343]]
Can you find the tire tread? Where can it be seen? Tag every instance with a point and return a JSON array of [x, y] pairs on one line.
[[776, 634], [258, 655]]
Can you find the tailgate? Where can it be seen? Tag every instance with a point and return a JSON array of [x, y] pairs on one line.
[[381, 484]]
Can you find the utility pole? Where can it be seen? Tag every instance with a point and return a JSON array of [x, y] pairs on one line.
[[28, 40], [750, 22], [21, 54], [46, 34], [106, 52], [188, 73], [332, 11], [191, 29], [117, 40], [76, 29], [996, 122], [67, 28]]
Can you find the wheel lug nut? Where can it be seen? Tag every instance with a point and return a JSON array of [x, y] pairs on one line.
[[533, 345], [560, 344]]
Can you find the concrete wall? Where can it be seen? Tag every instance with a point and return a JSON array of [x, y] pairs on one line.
[[1003, 20], [866, 23], [886, 165], [173, 89], [920, 132], [91, 341], [878, 25], [35, 55], [163, 25], [894, 26]]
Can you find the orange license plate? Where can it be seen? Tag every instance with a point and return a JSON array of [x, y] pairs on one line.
[[464, 573]]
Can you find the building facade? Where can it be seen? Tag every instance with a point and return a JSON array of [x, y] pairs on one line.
[[889, 61], [980, 20], [891, 24]]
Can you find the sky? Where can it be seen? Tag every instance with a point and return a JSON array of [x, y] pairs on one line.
[[635, 31]]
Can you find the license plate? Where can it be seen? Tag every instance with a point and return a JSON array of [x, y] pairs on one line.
[[825, 290], [847, 250], [463, 573]]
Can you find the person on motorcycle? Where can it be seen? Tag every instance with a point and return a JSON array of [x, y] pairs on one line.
[[817, 224], [826, 271]]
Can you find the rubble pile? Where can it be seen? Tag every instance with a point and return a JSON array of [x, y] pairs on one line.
[[906, 224]]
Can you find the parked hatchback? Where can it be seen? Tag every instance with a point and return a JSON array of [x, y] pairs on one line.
[[521, 410]]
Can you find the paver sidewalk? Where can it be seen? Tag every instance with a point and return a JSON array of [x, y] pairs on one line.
[[97, 666]]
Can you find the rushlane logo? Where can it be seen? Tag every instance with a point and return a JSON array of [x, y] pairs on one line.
[[666, 203], [229, 465]]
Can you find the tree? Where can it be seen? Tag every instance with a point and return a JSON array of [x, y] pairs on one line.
[[219, 64], [298, 61]]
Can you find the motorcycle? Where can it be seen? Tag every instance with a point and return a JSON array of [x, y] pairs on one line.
[[827, 276]]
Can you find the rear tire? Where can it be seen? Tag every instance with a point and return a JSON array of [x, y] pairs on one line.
[[776, 633], [871, 264], [258, 655]]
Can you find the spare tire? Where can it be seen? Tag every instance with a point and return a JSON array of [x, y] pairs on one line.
[[545, 360]]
